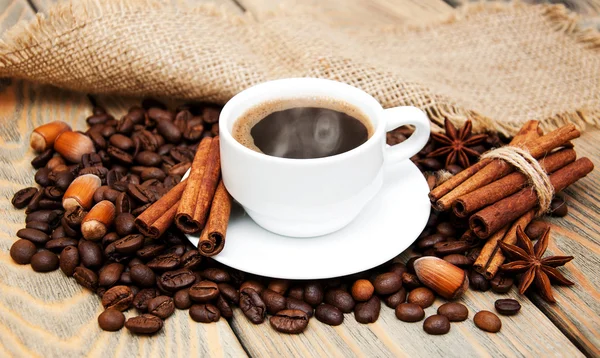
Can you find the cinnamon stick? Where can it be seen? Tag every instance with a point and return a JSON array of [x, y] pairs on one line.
[[456, 185], [190, 217], [490, 251], [490, 219], [212, 239], [508, 185], [155, 220], [510, 238]]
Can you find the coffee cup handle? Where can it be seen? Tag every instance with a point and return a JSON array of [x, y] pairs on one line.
[[407, 115]]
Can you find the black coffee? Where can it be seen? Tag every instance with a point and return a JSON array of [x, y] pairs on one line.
[[303, 132]]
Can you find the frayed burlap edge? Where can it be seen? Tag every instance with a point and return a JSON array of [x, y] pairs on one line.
[[67, 17]]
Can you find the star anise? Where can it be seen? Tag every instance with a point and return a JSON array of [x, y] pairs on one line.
[[529, 260], [455, 144]]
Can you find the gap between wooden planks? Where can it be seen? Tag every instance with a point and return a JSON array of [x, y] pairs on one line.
[[388, 336]]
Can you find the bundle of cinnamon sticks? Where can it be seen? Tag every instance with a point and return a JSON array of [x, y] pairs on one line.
[[496, 198], [199, 204]]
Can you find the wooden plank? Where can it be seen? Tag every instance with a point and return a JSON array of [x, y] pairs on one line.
[[43, 5], [348, 12], [584, 7], [49, 314], [578, 234]]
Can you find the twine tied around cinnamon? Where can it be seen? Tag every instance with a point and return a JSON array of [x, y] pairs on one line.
[[524, 162]]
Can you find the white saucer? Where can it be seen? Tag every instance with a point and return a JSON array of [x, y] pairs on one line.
[[387, 226]]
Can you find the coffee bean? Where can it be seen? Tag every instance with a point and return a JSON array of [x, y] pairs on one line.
[[410, 264], [160, 114], [252, 305], [119, 155], [142, 276], [387, 283], [73, 219], [165, 262], [410, 281], [169, 131], [129, 244], [141, 299], [255, 285], [122, 203], [558, 207], [42, 159], [274, 301], [191, 259], [216, 275], [54, 193], [205, 313], [421, 296], [48, 216], [144, 324], [295, 304], [69, 260], [111, 320], [329, 314], [224, 307], [180, 169], [90, 254], [33, 235], [122, 142], [487, 321], [507, 306], [409, 312], [153, 173], [398, 268], [296, 292], [362, 290], [458, 260], [367, 312], [38, 225], [204, 291], [176, 280], [161, 306], [57, 245], [436, 325], [110, 274], [501, 284], [22, 197], [118, 297], [289, 321], [44, 261], [126, 278], [454, 169], [478, 282], [429, 241], [340, 299], [393, 300], [34, 203], [446, 228], [431, 163], [451, 247], [41, 177], [148, 159], [455, 311], [536, 229], [313, 293], [86, 278], [69, 230], [22, 251], [150, 251], [229, 292], [182, 299]]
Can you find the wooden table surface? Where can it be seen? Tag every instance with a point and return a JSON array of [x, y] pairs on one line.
[[48, 315]]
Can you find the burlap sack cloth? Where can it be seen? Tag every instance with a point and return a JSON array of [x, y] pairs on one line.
[[498, 64]]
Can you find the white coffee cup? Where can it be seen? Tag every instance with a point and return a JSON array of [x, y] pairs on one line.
[[312, 197]]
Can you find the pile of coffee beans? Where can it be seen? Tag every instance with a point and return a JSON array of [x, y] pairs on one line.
[[137, 159]]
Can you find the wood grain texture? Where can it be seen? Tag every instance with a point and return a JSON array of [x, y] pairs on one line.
[[584, 7], [49, 315]]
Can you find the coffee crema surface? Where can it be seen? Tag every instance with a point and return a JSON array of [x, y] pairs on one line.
[[303, 128]]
